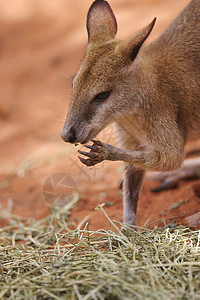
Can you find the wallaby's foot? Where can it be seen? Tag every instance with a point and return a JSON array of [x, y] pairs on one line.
[[129, 219], [129, 222], [127, 226], [169, 180], [98, 152]]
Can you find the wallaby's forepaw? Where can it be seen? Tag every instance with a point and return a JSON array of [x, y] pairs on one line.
[[98, 152]]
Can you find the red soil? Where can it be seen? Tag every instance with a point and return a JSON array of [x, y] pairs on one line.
[[41, 45]]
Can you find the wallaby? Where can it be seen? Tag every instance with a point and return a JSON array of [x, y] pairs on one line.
[[152, 94]]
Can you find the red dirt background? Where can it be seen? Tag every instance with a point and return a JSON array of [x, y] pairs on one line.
[[41, 46]]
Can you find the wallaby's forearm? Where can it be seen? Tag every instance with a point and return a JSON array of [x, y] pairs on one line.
[[151, 159]]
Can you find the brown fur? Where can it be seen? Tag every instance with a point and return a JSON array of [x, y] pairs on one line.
[[154, 95]]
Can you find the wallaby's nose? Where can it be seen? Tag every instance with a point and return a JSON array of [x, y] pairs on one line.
[[70, 136]]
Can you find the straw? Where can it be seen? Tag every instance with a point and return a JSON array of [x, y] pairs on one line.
[[46, 259]]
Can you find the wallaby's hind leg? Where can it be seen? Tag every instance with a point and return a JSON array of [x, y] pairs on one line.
[[132, 180], [169, 180]]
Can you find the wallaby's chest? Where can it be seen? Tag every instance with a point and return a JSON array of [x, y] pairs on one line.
[[130, 131]]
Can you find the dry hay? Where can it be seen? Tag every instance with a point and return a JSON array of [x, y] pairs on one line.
[[47, 260]]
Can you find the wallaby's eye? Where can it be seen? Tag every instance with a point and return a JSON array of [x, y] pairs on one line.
[[101, 97]]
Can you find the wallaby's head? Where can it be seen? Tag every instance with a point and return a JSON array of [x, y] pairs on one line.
[[100, 85]]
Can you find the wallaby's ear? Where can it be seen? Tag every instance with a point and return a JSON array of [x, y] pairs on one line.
[[101, 22], [131, 47]]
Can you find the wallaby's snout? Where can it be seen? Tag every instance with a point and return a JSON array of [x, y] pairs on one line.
[[69, 135], [75, 130]]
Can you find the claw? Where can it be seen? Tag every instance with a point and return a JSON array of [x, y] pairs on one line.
[[88, 154], [83, 152], [82, 160], [87, 162], [94, 148], [97, 142]]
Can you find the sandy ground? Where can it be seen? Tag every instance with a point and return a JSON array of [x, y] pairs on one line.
[[41, 46]]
